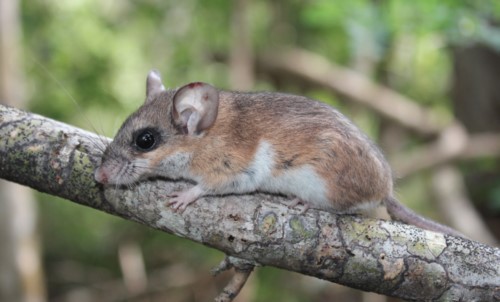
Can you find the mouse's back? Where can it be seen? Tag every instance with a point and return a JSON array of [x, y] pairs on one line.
[[300, 132]]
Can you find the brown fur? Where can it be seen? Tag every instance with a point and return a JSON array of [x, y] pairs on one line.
[[301, 132]]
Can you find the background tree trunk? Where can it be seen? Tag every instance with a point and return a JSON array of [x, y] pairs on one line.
[[241, 59], [475, 90], [21, 276], [475, 96]]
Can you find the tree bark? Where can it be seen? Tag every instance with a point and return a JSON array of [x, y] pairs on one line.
[[372, 255]]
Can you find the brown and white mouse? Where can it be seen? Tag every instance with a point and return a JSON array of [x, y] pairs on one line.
[[235, 142]]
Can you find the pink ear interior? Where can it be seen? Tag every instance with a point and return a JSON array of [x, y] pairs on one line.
[[196, 106]]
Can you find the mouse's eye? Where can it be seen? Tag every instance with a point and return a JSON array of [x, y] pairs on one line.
[[145, 140]]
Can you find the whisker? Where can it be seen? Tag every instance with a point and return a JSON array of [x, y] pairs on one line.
[[99, 142]]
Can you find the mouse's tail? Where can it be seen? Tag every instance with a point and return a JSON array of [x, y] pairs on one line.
[[400, 212]]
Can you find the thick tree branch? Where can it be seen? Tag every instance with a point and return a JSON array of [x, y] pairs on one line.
[[372, 255]]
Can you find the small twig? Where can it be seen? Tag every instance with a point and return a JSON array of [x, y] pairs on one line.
[[453, 143], [242, 270], [450, 143]]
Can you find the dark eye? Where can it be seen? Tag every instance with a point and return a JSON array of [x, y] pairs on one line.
[[145, 140]]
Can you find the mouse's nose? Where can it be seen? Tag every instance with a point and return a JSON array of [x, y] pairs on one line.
[[101, 176]]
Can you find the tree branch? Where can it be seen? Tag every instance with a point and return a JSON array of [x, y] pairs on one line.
[[453, 143], [311, 67], [372, 255], [449, 187]]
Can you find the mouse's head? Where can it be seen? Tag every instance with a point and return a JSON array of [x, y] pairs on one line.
[[153, 135]]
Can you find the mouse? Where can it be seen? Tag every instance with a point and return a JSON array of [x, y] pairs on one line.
[[230, 142]]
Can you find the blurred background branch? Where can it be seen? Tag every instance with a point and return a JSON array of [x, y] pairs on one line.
[[319, 71]]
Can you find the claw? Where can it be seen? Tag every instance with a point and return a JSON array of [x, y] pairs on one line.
[[182, 199], [295, 202]]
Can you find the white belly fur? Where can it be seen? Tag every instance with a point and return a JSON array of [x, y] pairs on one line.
[[302, 182]]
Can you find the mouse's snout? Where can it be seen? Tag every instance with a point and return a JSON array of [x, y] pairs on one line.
[[101, 176]]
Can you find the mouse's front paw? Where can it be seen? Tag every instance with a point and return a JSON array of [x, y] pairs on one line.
[[294, 204], [181, 199]]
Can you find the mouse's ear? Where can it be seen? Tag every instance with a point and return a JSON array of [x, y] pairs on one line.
[[153, 85], [195, 107]]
